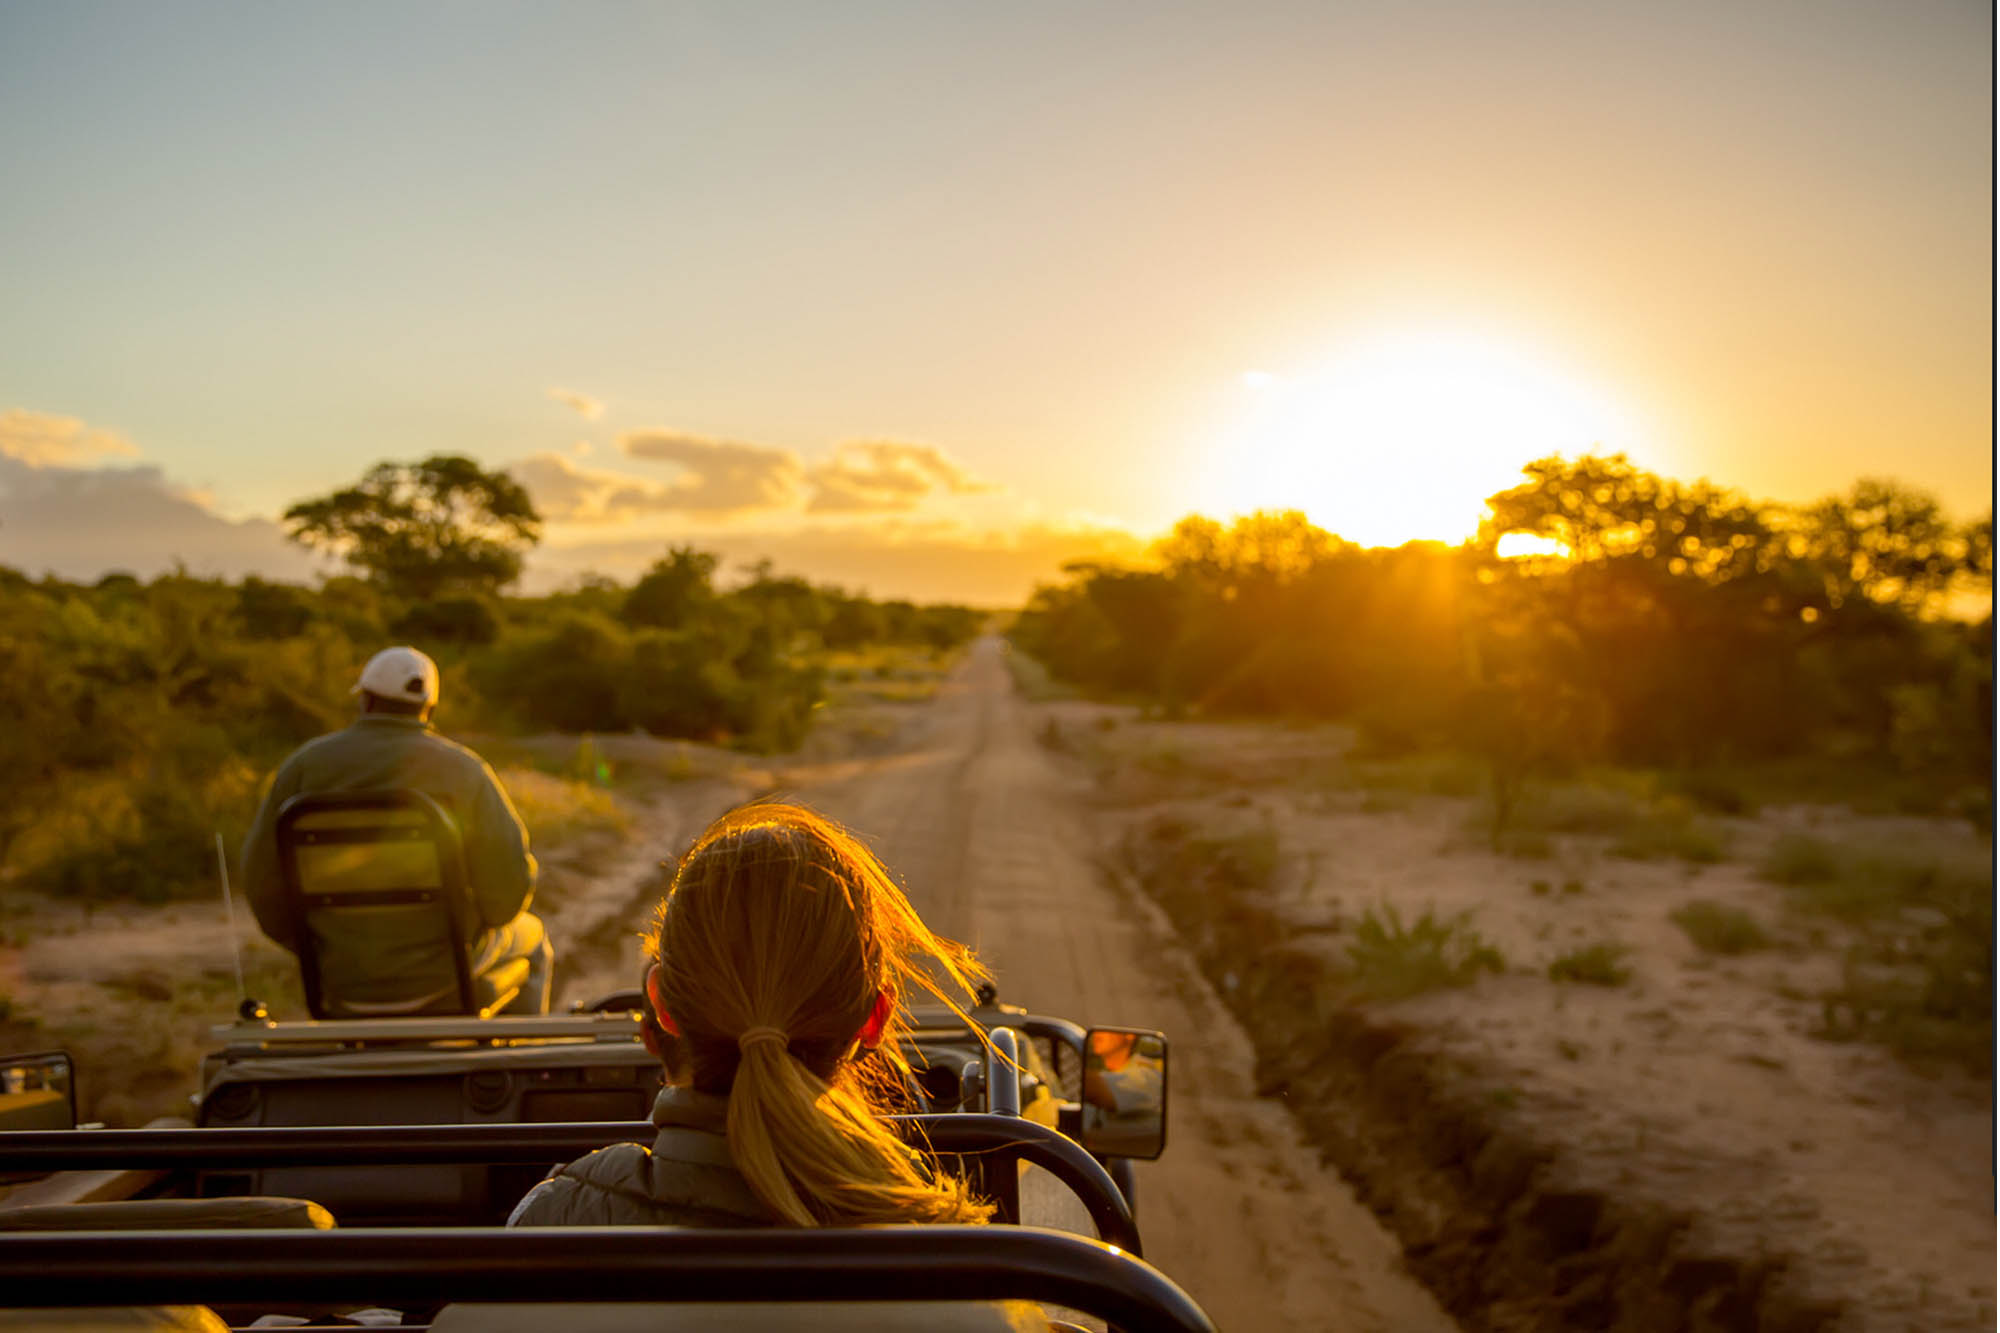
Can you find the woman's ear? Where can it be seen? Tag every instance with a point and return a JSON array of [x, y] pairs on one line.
[[870, 1035], [660, 1014]]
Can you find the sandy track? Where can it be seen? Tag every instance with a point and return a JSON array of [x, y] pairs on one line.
[[988, 837]]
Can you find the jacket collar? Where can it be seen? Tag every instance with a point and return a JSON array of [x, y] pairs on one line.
[[392, 720], [693, 1126]]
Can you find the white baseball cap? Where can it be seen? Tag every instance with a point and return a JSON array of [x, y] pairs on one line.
[[400, 673]]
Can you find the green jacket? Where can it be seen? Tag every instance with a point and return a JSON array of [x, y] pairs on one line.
[[379, 751], [686, 1179]]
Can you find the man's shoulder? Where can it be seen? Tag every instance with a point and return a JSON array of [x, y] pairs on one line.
[[443, 744], [319, 745]]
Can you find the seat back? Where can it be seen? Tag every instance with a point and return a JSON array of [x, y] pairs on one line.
[[376, 888]]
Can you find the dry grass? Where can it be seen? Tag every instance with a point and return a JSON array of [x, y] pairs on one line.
[[560, 810]]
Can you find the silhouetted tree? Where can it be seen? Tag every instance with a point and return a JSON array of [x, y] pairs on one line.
[[419, 529]]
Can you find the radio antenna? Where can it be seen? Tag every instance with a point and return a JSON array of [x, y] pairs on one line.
[[229, 914]]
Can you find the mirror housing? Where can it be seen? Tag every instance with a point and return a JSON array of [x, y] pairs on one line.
[[37, 1091], [1124, 1092]]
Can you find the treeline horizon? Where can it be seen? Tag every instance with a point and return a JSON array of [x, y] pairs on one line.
[[1682, 626], [137, 718]]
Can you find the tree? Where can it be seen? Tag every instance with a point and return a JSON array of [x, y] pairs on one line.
[[674, 591], [1890, 544], [419, 529]]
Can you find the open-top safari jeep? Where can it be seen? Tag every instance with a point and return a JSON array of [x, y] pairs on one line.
[[335, 1165]]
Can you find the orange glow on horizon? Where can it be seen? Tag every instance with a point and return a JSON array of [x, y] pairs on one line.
[[1403, 437]]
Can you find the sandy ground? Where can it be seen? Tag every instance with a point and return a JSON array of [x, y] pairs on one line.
[[996, 845], [1698, 1083]]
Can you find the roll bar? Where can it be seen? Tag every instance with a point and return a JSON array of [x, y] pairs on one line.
[[435, 1265], [963, 1134]]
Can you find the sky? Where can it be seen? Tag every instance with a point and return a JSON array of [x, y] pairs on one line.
[[928, 299]]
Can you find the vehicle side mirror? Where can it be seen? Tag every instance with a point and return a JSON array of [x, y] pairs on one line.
[[37, 1091], [1125, 1092]]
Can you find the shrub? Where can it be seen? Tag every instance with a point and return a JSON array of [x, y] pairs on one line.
[[448, 620], [1800, 858], [1668, 830], [1718, 928], [1578, 808], [1237, 863], [1442, 774], [1930, 1001], [1876, 884], [567, 677], [1713, 789], [1592, 965], [1389, 960]]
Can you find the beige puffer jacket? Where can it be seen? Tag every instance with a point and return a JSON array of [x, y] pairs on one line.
[[685, 1179]]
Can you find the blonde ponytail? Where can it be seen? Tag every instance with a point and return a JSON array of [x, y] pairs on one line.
[[778, 939]]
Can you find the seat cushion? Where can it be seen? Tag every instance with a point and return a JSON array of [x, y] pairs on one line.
[[495, 989], [243, 1213]]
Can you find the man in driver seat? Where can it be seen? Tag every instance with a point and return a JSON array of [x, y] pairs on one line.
[[391, 745]]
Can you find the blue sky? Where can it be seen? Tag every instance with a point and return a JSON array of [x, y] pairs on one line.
[[1066, 250]]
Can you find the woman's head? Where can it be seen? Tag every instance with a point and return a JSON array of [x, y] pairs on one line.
[[782, 948]]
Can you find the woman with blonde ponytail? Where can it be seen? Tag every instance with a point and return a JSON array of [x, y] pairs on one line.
[[780, 959]]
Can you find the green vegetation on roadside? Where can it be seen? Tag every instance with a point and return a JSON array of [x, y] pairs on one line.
[[1388, 959], [1600, 964], [1740, 648], [1918, 975], [1719, 928]]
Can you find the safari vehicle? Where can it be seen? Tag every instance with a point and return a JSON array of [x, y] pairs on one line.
[[440, 1130], [338, 1163]]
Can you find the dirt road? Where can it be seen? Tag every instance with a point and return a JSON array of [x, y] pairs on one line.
[[992, 844]]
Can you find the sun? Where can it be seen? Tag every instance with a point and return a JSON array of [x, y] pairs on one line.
[[1402, 437]]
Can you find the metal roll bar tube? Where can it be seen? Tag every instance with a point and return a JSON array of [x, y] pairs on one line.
[[422, 1266], [397, 1145]]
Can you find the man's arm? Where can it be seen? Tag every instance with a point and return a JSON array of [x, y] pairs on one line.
[[496, 854], [260, 858]]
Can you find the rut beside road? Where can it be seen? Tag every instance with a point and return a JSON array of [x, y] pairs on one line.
[[992, 841]]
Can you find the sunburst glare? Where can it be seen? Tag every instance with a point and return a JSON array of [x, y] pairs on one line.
[[1402, 437]]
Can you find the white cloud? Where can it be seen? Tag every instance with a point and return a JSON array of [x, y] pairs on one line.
[[41, 439], [720, 476], [590, 409], [885, 476], [717, 479], [566, 492]]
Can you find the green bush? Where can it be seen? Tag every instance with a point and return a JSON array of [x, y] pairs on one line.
[[1390, 960], [1800, 858], [1718, 928], [1593, 965], [1669, 830], [448, 620], [1877, 883]]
